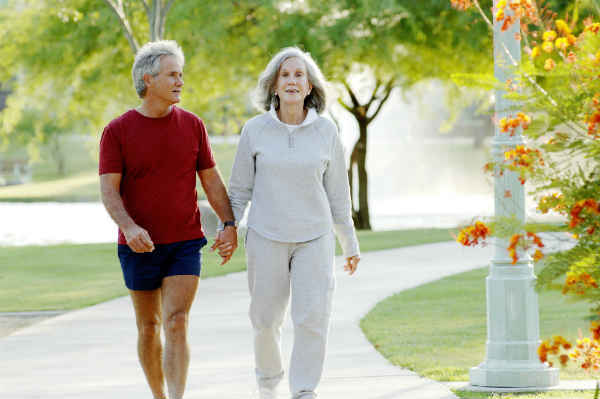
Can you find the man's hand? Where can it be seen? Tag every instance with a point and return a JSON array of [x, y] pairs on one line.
[[138, 239], [226, 243], [351, 264]]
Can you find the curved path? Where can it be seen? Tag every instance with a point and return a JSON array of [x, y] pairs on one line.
[[90, 353]]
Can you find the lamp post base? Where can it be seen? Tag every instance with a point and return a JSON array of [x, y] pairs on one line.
[[527, 377]]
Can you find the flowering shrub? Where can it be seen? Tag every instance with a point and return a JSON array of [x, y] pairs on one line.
[[559, 92], [471, 235], [559, 89], [585, 354]]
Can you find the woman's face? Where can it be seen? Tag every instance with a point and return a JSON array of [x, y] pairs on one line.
[[292, 84]]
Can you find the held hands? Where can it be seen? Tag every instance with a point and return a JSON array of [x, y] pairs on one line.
[[226, 243], [138, 239], [351, 264]]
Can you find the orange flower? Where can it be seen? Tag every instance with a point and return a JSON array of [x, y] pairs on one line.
[[512, 247], [461, 4], [536, 239], [595, 330], [564, 359], [594, 28], [590, 204], [579, 283], [538, 255], [470, 235]]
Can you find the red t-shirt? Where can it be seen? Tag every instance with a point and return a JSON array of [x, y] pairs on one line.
[[158, 159]]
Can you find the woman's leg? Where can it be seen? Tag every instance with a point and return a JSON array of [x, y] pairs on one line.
[[269, 284], [313, 283]]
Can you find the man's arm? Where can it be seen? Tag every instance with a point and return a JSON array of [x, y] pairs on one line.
[[216, 193], [137, 238]]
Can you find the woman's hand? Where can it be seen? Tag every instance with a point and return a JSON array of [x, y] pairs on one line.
[[351, 264], [225, 243]]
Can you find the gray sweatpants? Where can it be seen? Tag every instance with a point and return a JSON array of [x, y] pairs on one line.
[[307, 268]]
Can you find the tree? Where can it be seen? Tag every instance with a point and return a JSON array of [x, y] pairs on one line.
[[78, 54]]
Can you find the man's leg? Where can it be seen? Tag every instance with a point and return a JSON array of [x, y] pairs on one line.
[[147, 305], [177, 296]]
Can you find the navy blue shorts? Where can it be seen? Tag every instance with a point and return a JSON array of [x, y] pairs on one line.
[[146, 270]]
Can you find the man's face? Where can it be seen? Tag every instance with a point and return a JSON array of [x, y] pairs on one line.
[[167, 85]]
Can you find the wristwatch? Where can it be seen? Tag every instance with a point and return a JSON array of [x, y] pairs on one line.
[[229, 223]]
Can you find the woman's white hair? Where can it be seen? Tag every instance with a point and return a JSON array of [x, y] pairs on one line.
[[147, 61], [265, 90]]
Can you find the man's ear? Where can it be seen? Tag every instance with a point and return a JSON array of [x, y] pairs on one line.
[[147, 79]]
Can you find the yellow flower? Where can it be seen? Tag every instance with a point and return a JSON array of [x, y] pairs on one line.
[[535, 52], [561, 43], [562, 27], [500, 15], [548, 47], [503, 124], [501, 4], [549, 35], [549, 64]]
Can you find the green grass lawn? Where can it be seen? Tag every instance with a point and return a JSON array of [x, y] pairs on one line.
[[73, 276], [533, 395], [439, 329]]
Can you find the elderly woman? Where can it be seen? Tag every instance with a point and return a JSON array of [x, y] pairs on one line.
[[290, 165]]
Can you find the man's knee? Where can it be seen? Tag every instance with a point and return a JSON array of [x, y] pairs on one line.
[[149, 329], [176, 323]]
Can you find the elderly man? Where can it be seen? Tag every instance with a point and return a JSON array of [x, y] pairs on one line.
[[149, 157]]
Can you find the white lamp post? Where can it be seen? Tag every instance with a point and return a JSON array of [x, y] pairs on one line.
[[511, 359]]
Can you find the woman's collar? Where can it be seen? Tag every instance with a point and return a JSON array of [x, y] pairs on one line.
[[311, 116]]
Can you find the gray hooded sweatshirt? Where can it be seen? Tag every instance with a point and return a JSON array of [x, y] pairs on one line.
[[296, 180]]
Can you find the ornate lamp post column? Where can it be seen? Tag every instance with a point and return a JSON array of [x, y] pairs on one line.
[[511, 359]]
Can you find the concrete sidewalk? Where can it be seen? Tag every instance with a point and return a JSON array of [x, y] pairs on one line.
[[91, 353]]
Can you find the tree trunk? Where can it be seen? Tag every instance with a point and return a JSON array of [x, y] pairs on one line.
[[361, 217], [59, 156]]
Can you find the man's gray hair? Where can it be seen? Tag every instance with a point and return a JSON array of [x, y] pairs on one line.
[[147, 61], [265, 90]]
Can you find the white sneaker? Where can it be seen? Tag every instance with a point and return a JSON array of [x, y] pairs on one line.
[[267, 393]]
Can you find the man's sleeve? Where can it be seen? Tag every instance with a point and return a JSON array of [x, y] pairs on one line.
[[205, 156], [111, 155]]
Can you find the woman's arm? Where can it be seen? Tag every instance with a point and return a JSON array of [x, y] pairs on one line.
[[337, 188], [241, 182]]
